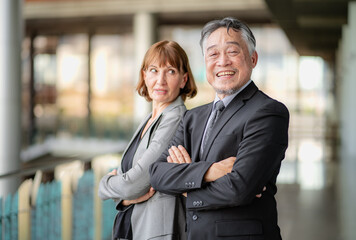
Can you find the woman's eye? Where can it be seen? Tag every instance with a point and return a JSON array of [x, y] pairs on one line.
[[171, 71], [153, 70]]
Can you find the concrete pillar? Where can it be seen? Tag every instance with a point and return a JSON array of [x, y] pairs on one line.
[[10, 92], [346, 58], [348, 86], [145, 34]]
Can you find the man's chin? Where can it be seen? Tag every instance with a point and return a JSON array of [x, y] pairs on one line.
[[225, 91]]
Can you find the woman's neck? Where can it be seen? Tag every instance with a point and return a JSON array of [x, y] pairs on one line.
[[157, 109]]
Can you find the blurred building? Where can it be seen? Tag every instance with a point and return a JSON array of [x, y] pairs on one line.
[[69, 67]]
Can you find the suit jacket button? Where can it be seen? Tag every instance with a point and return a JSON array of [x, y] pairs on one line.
[[192, 183], [194, 203], [186, 185], [195, 217]]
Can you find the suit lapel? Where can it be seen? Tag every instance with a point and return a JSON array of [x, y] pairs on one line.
[[234, 106], [198, 131]]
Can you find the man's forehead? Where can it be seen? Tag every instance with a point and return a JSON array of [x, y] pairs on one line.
[[221, 34], [227, 43]]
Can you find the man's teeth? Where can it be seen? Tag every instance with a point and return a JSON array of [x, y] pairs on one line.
[[220, 74]]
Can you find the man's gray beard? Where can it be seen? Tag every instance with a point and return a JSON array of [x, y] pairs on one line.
[[226, 92]]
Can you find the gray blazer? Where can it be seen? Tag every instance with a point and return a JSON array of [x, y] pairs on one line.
[[162, 216]]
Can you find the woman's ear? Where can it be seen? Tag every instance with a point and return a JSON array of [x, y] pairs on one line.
[[143, 74], [185, 79]]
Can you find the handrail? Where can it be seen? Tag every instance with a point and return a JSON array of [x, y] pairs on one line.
[[50, 163]]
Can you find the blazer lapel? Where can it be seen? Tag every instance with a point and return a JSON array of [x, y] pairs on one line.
[[136, 132], [146, 138], [234, 106], [198, 132]]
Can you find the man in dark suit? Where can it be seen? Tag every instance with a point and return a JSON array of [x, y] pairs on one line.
[[226, 152]]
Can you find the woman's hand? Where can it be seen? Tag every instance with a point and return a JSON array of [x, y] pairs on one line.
[[143, 198], [113, 172]]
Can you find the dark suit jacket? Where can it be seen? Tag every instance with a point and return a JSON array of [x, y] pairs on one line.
[[254, 128]]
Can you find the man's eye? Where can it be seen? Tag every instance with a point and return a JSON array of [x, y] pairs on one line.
[[233, 51]]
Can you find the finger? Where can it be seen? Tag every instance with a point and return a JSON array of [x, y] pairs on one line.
[[264, 188], [169, 159], [151, 193], [126, 202], [173, 156], [259, 195], [178, 154], [113, 172], [185, 154]]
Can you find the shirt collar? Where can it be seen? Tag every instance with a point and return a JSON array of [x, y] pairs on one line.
[[226, 100]]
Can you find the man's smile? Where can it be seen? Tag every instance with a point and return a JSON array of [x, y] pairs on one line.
[[225, 73]]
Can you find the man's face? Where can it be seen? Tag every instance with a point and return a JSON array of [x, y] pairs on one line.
[[228, 62]]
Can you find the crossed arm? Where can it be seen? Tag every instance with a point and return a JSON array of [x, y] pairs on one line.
[[134, 185], [217, 170], [143, 198], [260, 152]]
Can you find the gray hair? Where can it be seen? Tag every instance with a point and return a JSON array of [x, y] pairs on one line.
[[229, 23]]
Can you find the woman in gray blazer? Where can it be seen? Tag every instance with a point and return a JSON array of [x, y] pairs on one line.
[[165, 80]]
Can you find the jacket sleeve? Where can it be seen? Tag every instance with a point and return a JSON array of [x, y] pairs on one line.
[[257, 162], [172, 178], [135, 182]]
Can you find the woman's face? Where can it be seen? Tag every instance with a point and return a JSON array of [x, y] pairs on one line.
[[164, 82]]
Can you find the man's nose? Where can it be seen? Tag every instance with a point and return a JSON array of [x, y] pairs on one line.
[[224, 60]]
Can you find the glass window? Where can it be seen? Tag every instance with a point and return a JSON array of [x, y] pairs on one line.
[[112, 85]]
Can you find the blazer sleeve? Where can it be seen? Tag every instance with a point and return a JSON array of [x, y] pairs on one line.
[[135, 182], [172, 178], [258, 160]]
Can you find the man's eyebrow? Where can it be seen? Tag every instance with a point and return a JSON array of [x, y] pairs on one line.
[[231, 42], [212, 46]]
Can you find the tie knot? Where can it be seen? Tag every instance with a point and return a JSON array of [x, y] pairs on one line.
[[219, 106]]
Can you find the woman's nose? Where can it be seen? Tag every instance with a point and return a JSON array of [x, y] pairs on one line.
[[161, 78]]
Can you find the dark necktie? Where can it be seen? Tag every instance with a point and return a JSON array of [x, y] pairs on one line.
[[219, 107]]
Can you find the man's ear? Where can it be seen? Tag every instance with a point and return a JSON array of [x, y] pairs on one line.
[[254, 58]]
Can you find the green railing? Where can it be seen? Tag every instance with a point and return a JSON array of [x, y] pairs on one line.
[[66, 209]]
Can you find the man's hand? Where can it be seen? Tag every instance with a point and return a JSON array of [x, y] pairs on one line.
[[178, 155], [260, 195], [143, 198], [219, 169]]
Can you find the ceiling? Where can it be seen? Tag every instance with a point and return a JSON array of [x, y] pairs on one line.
[[313, 27]]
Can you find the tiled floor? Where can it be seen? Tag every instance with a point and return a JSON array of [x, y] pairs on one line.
[[320, 204]]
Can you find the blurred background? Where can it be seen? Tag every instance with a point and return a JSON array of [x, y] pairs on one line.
[[68, 70]]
